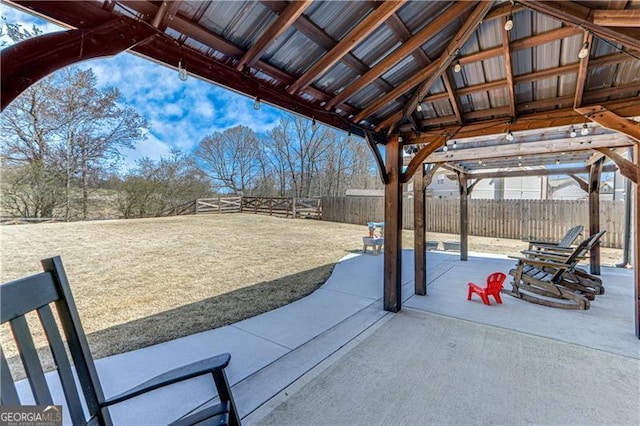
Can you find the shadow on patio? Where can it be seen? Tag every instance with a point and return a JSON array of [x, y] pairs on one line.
[[336, 357]]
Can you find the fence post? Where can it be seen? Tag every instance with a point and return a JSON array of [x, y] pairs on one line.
[[293, 207], [241, 205], [197, 205], [219, 204]]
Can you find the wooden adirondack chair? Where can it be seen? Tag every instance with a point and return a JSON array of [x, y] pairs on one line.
[[539, 275], [565, 242], [37, 293]]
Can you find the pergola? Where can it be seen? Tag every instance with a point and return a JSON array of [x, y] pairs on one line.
[[483, 89]]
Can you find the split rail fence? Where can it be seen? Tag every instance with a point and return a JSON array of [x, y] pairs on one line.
[[513, 219], [274, 206]]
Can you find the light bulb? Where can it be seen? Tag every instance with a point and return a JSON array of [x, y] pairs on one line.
[[457, 67], [572, 132], [519, 163], [256, 104], [584, 52], [419, 107], [445, 148], [509, 136], [182, 71], [314, 125], [508, 25], [585, 130], [455, 145]]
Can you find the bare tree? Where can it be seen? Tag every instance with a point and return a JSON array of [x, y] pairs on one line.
[[232, 158]]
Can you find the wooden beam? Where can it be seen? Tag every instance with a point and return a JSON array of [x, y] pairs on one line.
[[581, 182], [453, 98], [464, 216], [617, 18], [611, 120], [392, 299], [459, 39], [30, 60], [421, 155], [348, 42], [428, 177], [279, 26], [373, 146], [538, 172], [594, 214], [419, 229], [594, 157], [529, 148], [636, 240], [582, 72], [400, 53], [541, 120], [166, 12], [508, 71], [626, 167], [579, 15]]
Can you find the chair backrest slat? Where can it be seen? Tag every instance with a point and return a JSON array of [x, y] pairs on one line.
[[76, 338], [8, 393], [571, 236], [64, 367], [31, 361], [26, 295]]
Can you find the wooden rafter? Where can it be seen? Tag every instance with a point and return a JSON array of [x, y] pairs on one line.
[[582, 72], [579, 15], [433, 71], [506, 51], [627, 168], [431, 172], [348, 42], [166, 12], [581, 182], [461, 37], [400, 53], [617, 18], [453, 98], [530, 148], [284, 21], [606, 118]]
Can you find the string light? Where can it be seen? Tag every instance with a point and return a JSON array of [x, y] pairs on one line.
[[182, 71], [584, 52], [509, 136], [256, 104], [457, 67], [508, 25], [572, 132], [585, 130], [314, 125], [419, 107]]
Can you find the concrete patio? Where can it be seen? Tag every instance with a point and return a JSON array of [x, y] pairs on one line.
[[335, 357]]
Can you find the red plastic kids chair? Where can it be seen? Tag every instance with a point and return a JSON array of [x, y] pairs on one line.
[[494, 285]]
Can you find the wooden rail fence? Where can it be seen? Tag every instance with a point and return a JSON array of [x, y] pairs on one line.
[[512, 219], [274, 206]]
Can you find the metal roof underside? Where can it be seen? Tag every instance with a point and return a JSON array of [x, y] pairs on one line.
[[338, 62]]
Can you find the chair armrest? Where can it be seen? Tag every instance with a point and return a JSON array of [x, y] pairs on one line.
[[545, 255], [541, 262], [186, 372]]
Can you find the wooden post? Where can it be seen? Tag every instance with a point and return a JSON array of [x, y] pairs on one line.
[[393, 227], [294, 207], [197, 205], [464, 216], [420, 258], [636, 238], [219, 204], [594, 213]]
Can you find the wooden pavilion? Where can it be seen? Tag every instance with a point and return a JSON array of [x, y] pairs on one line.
[[480, 88]]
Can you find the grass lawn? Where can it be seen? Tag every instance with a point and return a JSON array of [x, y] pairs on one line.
[[145, 281]]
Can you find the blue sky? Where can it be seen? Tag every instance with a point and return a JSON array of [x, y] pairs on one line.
[[179, 113]]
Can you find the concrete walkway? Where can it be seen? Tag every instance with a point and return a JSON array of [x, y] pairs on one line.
[[316, 340]]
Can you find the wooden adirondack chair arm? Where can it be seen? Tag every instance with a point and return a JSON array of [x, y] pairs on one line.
[[549, 255], [536, 262], [189, 371]]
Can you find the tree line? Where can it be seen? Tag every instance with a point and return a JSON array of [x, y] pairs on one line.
[[62, 141]]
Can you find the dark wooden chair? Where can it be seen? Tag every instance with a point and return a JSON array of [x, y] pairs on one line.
[[564, 243], [36, 293], [551, 276]]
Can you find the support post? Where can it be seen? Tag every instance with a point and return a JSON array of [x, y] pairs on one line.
[[420, 258], [393, 226], [594, 213], [464, 216], [636, 238]]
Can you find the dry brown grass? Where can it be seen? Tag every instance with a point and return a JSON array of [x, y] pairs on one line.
[[145, 281]]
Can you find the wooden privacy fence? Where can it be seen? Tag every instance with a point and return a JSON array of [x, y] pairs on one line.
[[512, 219]]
